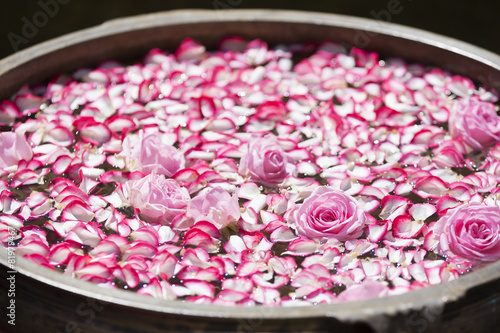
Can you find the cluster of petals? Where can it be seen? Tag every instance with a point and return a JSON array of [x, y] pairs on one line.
[[243, 176]]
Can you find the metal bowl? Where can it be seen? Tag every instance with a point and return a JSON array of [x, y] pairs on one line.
[[46, 301]]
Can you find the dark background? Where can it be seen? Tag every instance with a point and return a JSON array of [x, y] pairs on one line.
[[476, 22]]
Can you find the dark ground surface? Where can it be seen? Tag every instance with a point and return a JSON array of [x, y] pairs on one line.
[[26, 23]]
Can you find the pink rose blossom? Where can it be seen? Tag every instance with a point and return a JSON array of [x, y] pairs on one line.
[[470, 231], [215, 206], [149, 154], [265, 161], [330, 213], [476, 122], [13, 148], [157, 199]]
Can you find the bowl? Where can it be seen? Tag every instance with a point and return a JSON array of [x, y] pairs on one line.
[[45, 301]]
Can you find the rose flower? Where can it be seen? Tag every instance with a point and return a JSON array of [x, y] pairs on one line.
[[471, 232], [265, 161], [330, 213], [156, 198], [476, 122], [149, 154]]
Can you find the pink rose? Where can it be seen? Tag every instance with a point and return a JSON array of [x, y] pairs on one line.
[[265, 161], [13, 148], [476, 122], [471, 232], [158, 199], [329, 213], [149, 154], [215, 206]]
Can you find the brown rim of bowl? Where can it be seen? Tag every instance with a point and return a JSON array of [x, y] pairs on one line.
[[430, 297]]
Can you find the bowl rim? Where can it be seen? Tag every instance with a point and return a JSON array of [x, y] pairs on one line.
[[365, 311], [187, 16]]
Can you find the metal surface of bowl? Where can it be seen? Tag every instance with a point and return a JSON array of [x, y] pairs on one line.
[[46, 301]]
